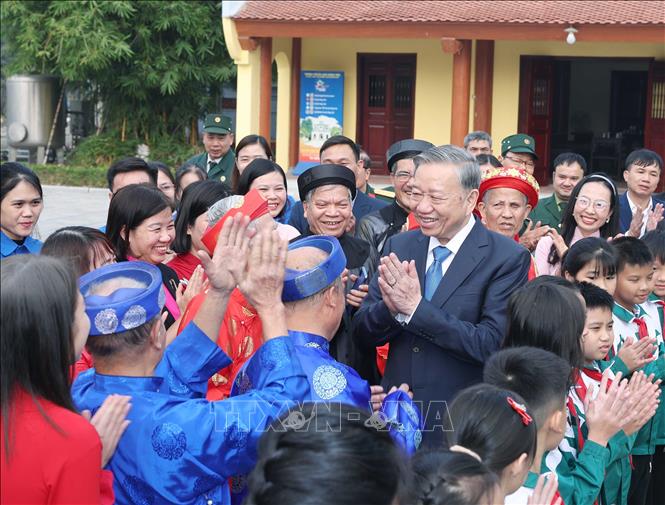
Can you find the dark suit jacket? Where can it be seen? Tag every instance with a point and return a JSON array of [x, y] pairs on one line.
[[443, 348], [626, 215], [362, 206]]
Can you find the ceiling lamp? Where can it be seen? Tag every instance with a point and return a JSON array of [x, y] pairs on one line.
[[570, 38]]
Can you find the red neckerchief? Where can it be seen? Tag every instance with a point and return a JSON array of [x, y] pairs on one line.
[[556, 497], [642, 330], [662, 308], [581, 389]]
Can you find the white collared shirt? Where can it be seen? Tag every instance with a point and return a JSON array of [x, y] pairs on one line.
[[645, 213], [453, 246], [214, 162]]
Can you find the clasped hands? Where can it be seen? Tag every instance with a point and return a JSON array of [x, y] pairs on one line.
[[399, 285], [257, 269], [654, 217]]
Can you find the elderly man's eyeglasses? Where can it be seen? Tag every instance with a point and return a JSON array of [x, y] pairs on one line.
[[599, 205], [403, 176], [523, 163]]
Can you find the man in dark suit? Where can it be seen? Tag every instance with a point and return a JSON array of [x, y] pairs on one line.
[[341, 150], [441, 294], [638, 203]]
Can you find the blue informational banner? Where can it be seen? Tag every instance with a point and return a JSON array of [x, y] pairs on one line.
[[321, 113]]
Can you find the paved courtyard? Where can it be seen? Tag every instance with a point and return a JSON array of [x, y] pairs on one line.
[[70, 206]]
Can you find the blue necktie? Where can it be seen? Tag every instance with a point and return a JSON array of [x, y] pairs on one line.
[[434, 274]]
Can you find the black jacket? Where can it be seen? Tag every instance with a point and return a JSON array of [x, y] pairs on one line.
[[377, 227]]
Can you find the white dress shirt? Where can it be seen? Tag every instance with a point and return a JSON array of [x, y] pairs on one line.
[[214, 162], [453, 246], [645, 213]]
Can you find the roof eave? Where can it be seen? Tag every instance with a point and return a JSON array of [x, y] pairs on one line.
[[258, 28]]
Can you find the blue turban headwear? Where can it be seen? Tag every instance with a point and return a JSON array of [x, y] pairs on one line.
[[299, 284], [125, 308]]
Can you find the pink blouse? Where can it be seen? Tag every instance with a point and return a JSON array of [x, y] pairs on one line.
[[543, 267]]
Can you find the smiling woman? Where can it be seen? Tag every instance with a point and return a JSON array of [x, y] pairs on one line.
[[21, 203], [591, 212], [140, 227]]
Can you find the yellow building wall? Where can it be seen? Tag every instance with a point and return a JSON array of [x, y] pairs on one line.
[[433, 95], [247, 85], [505, 95], [433, 79], [281, 51]]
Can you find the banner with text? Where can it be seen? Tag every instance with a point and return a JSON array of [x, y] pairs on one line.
[[321, 113]]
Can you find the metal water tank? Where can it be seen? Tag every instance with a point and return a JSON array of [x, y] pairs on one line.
[[31, 104]]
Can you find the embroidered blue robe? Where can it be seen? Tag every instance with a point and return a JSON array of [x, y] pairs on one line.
[[180, 448], [331, 381]]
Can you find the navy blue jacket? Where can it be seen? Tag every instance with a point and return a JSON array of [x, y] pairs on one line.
[[445, 345], [362, 206], [626, 216]]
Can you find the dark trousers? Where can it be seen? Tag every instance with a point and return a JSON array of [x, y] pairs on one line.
[[639, 480], [657, 484]]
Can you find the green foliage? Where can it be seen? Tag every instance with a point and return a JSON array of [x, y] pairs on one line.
[[306, 129], [155, 65], [65, 175], [102, 150]]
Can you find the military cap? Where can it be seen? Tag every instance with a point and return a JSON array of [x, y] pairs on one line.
[[519, 143], [405, 149], [216, 123], [324, 175]]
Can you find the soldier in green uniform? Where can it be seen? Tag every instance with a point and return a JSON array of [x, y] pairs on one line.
[[519, 151], [218, 159], [569, 168]]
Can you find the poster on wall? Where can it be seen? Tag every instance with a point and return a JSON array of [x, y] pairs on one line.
[[321, 113]]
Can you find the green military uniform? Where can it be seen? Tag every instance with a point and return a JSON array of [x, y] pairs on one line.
[[595, 472], [386, 194], [222, 170], [548, 212]]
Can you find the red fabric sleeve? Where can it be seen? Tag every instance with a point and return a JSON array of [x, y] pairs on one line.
[[106, 488], [85, 362], [77, 479], [191, 311]]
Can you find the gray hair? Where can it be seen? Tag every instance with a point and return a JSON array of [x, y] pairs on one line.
[[468, 169], [477, 135], [487, 194], [310, 193]]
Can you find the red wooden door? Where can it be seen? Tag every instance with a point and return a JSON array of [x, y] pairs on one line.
[[535, 108], [386, 92], [654, 127]]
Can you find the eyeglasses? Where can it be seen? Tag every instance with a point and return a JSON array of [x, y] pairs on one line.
[[403, 176], [599, 205], [523, 163]]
